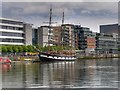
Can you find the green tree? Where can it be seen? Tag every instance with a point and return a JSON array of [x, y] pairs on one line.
[[54, 48], [20, 49], [9, 48], [51, 48], [58, 48], [15, 49], [3, 48], [119, 49], [46, 49], [0, 48], [39, 47], [34, 50], [25, 49], [30, 48], [64, 48], [76, 49]]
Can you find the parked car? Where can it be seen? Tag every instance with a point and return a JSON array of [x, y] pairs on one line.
[[5, 60]]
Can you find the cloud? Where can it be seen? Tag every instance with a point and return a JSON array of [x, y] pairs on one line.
[[92, 22], [85, 11], [93, 13], [35, 9], [43, 7], [61, 1]]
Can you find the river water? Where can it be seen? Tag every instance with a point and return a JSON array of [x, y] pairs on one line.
[[101, 73]]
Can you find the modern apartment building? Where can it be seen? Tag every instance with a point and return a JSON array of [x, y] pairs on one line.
[[106, 43], [84, 38], [91, 42], [15, 32], [68, 35], [57, 35], [12, 32], [63, 35], [110, 29]]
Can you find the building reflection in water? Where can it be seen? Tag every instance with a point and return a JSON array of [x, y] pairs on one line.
[[58, 74], [78, 74]]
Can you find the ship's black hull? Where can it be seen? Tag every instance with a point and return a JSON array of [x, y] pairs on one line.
[[49, 57]]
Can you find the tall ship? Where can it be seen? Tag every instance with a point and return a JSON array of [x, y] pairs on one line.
[[68, 55]]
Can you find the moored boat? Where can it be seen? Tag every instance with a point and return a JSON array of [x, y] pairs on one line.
[[27, 59], [57, 57], [5, 60]]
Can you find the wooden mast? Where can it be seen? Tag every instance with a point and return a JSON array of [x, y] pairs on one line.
[[62, 29], [63, 18], [49, 37]]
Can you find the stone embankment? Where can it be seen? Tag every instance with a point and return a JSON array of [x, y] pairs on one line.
[[98, 56]]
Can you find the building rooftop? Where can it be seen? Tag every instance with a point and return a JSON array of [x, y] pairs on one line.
[[109, 24], [11, 19]]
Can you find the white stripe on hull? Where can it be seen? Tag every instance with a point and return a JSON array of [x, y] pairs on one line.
[[58, 58]]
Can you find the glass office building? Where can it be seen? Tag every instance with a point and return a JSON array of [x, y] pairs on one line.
[[34, 36]]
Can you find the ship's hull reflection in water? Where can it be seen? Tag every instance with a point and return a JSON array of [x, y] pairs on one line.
[[73, 74]]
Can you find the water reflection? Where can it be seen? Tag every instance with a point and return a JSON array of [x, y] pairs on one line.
[[5, 67], [78, 74]]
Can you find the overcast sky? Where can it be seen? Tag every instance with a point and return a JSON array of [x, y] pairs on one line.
[[88, 14]]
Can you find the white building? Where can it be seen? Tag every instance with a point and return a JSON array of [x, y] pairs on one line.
[[13, 32], [45, 36]]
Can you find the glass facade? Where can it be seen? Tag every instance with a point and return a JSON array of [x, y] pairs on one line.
[[34, 36]]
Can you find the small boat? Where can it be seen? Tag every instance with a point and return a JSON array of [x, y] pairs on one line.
[[5, 60], [28, 59]]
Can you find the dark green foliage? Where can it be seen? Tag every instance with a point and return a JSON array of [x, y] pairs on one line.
[[9, 49], [39, 47], [3, 48], [30, 48], [46, 49], [20, 49], [25, 49], [119, 49], [58, 48], [15, 49]]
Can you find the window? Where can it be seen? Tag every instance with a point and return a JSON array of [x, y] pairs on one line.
[[12, 34], [12, 22], [11, 28], [12, 40]]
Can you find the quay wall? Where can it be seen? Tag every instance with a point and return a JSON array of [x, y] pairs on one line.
[[79, 57]]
